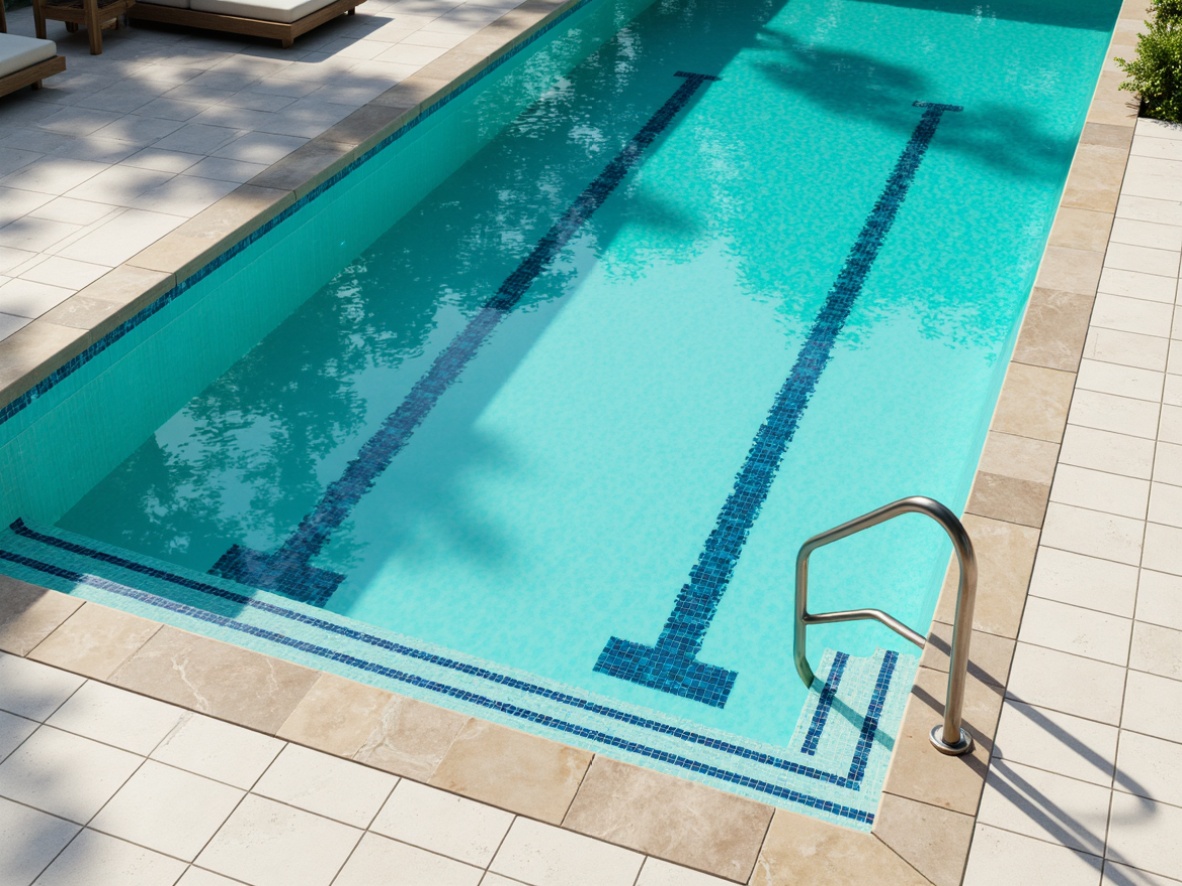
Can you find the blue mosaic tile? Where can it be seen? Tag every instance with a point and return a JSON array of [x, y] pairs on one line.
[[671, 664], [503, 693]]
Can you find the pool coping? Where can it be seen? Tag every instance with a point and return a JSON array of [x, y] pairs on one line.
[[925, 819]]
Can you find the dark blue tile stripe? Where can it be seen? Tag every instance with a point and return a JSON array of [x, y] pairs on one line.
[[544, 720], [72, 365], [758, 757], [861, 758], [671, 665], [824, 704], [288, 569]]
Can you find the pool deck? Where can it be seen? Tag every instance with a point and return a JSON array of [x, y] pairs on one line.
[[135, 753]]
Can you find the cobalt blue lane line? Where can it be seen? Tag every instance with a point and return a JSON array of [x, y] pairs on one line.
[[20, 528], [824, 704], [474, 698], [672, 665], [289, 571]]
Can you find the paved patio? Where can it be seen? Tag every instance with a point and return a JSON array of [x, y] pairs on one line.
[[126, 146]]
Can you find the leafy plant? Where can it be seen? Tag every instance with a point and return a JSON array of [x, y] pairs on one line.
[[1156, 73]]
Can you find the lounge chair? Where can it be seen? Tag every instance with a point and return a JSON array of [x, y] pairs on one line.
[[25, 61], [281, 20]]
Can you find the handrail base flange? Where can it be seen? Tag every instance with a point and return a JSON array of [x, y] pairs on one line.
[[953, 750]]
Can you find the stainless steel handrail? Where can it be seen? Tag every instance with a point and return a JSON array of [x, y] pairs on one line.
[[950, 737]]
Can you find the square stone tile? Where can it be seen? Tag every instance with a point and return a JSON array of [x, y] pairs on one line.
[[1149, 767], [118, 185], [29, 614], [1057, 742], [544, 855], [999, 856], [1159, 600], [1049, 807], [269, 844], [116, 717], [96, 859], [13, 731], [1058, 681], [1157, 649], [443, 822], [218, 750], [33, 690], [326, 785], [1144, 834], [65, 774], [1167, 462], [378, 860], [35, 234], [1153, 705], [29, 841], [1163, 548], [76, 212], [1165, 504], [168, 810]]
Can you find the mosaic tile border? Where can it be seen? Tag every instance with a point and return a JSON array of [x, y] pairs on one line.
[[852, 780]]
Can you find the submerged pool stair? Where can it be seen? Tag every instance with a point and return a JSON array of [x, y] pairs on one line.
[[833, 765]]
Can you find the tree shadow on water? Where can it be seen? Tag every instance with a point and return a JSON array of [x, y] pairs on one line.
[[1004, 137]]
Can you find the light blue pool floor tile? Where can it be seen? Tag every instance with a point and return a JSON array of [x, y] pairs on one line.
[[833, 767]]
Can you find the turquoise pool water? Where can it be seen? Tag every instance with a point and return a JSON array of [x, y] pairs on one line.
[[656, 231]]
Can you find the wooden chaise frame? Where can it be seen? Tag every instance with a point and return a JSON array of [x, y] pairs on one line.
[[33, 74], [284, 32]]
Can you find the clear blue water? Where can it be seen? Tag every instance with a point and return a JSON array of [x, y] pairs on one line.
[[561, 490]]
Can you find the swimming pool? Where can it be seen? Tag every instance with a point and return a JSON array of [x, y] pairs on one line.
[[511, 455]]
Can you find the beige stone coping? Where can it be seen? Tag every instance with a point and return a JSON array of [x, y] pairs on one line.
[[925, 820]]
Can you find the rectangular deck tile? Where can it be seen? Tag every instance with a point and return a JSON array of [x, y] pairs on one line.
[[442, 822], [799, 849], [33, 690], [1057, 742], [1102, 585], [543, 855], [95, 641], [379, 728], [216, 678], [1057, 680], [29, 614], [1001, 856], [217, 750], [523, 773], [116, 717], [1144, 834], [1075, 629], [645, 810]]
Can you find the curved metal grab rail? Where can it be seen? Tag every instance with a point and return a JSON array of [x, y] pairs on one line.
[[949, 738]]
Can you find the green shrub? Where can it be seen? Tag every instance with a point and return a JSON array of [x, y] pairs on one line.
[[1156, 73]]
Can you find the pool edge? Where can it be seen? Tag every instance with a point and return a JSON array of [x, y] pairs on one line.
[[925, 820]]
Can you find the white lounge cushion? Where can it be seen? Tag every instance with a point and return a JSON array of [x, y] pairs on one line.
[[286, 11], [178, 4], [17, 52]]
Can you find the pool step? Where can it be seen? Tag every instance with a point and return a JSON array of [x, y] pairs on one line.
[[833, 766]]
